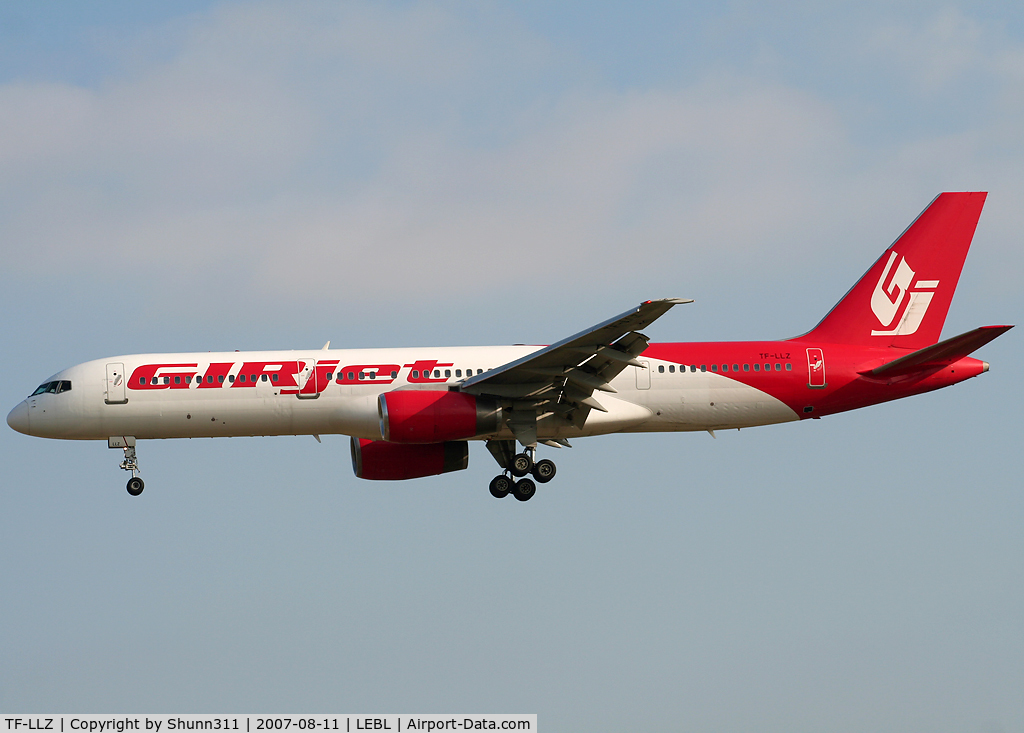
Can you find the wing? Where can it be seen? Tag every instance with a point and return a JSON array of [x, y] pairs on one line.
[[561, 379]]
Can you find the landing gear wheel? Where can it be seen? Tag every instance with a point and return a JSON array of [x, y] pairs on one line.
[[135, 485], [543, 470], [520, 465], [500, 486], [524, 489]]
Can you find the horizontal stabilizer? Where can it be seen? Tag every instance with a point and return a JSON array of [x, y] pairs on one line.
[[941, 354]]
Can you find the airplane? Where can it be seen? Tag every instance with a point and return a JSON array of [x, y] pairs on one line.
[[411, 412]]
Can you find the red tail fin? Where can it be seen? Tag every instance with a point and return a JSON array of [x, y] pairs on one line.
[[903, 299]]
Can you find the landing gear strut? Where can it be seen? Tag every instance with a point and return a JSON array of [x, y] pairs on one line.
[[130, 462]]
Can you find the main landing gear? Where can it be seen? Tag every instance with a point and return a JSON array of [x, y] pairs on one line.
[[517, 467], [130, 462]]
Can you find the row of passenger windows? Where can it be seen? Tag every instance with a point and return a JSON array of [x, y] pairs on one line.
[[252, 378], [62, 385], [723, 368]]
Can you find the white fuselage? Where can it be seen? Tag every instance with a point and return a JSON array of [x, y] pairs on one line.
[[194, 395]]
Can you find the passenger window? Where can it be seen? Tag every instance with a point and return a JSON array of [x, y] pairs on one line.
[[458, 372], [789, 367], [725, 367], [373, 375], [351, 376], [735, 367], [778, 367], [714, 367], [447, 373], [746, 367], [209, 379], [671, 368], [415, 374], [273, 378], [263, 377], [142, 380], [394, 375], [767, 367], [757, 367], [479, 371], [231, 378], [362, 375], [199, 380], [437, 374], [167, 380], [154, 381], [330, 376], [703, 367], [177, 380], [661, 369], [220, 378], [241, 378], [693, 367]]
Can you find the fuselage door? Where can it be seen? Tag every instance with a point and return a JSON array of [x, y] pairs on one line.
[[307, 380], [314, 377], [115, 394], [815, 369], [643, 375]]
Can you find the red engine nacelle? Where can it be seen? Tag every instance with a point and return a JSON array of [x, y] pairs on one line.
[[433, 416], [379, 460]]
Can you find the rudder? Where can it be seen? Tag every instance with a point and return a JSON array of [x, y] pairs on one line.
[[903, 299]]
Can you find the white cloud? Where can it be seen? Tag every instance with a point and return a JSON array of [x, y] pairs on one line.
[[330, 152]]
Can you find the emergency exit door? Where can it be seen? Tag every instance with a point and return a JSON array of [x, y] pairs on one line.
[[643, 375], [115, 394], [314, 377], [815, 369]]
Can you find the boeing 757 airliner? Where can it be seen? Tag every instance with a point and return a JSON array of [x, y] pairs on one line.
[[413, 412]]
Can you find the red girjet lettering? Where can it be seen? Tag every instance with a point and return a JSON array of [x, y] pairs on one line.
[[150, 376], [288, 376], [281, 373], [425, 368], [318, 379], [215, 375], [378, 373]]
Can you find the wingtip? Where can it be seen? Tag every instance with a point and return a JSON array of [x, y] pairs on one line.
[[670, 301]]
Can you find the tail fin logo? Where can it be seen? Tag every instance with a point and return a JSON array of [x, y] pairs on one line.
[[894, 301]]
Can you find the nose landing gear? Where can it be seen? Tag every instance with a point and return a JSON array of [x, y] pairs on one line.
[[135, 485], [130, 462]]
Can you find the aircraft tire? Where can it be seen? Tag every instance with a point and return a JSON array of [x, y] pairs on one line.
[[135, 485], [524, 490], [520, 465], [500, 486], [543, 470]]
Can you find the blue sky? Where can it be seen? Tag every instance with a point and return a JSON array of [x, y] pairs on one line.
[[266, 175]]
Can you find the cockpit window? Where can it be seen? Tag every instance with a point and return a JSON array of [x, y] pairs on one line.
[[62, 385]]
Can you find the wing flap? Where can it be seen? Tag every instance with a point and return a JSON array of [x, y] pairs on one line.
[[561, 379]]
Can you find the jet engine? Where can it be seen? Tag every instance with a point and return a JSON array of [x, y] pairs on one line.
[[433, 416], [379, 460]]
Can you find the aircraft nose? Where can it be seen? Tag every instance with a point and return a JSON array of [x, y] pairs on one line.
[[18, 418]]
